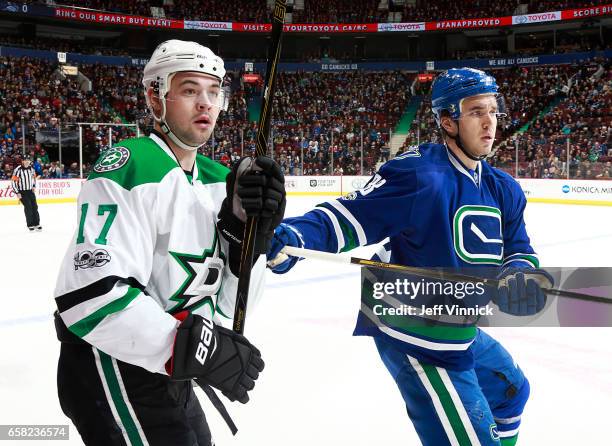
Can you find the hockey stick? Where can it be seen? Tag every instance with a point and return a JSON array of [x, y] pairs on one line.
[[261, 145], [423, 272]]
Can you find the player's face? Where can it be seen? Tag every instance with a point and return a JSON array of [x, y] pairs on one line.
[[192, 107], [478, 123]]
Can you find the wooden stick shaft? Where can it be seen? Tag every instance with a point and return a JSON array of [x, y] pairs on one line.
[[261, 148], [425, 272]]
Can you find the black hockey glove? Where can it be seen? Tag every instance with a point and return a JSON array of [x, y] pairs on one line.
[[214, 355], [258, 192]]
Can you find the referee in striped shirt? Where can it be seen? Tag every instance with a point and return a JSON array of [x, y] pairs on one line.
[[24, 186]]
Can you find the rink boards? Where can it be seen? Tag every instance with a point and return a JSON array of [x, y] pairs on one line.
[[586, 192]]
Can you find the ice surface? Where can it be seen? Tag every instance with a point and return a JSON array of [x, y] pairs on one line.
[[321, 386]]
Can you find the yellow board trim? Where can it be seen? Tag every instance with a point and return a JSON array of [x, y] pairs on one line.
[[576, 202], [42, 201], [336, 194], [530, 200], [314, 194]]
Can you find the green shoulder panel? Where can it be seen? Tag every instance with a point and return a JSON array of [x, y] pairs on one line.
[[133, 162], [210, 171]]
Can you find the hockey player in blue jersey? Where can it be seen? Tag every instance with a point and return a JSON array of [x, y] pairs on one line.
[[442, 205]]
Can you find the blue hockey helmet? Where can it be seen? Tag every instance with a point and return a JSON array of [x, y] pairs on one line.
[[454, 85]]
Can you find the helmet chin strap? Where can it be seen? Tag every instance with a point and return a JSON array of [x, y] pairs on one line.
[[175, 139], [459, 143], [169, 133]]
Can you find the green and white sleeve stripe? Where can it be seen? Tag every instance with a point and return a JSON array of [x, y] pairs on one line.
[[531, 259], [337, 229], [102, 313], [356, 226], [349, 232]]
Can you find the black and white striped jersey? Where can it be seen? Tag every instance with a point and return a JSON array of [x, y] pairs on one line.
[[24, 178]]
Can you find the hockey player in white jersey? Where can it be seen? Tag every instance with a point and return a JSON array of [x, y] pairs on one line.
[[151, 272]]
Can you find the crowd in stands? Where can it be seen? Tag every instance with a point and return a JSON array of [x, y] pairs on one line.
[[316, 130], [64, 45], [321, 120], [221, 10], [543, 6], [427, 10], [328, 113], [566, 42], [340, 11], [35, 98], [311, 120], [579, 124], [527, 91], [329, 11]]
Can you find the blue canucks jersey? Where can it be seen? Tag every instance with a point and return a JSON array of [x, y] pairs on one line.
[[436, 213]]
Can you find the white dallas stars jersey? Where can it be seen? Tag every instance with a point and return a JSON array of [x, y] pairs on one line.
[[146, 247]]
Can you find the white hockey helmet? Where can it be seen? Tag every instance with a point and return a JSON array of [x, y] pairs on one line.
[[173, 56]]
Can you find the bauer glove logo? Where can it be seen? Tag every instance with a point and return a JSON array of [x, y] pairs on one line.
[[206, 336]]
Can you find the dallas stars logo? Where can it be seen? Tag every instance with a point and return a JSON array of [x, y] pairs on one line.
[[112, 159], [204, 276]]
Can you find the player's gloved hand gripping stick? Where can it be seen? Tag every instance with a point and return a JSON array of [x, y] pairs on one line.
[[255, 188], [214, 355], [261, 143], [203, 351], [209, 353], [285, 236], [521, 292]]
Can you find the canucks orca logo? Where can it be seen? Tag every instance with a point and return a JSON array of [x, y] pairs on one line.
[[409, 153], [494, 432], [477, 234]]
